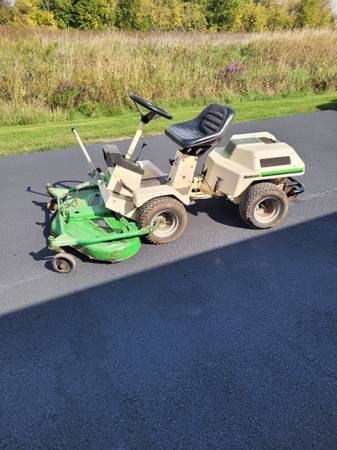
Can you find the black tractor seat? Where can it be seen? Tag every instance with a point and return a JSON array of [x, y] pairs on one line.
[[204, 130]]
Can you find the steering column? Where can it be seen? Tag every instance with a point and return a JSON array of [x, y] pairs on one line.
[[154, 112]]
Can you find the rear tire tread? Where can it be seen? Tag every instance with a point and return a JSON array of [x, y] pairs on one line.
[[252, 196]]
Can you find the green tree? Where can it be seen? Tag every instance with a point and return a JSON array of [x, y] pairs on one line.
[[63, 12], [312, 13], [224, 14], [6, 13], [189, 15], [93, 14], [175, 9], [127, 13], [26, 13], [254, 17], [145, 16], [193, 17], [162, 15], [44, 18], [279, 16], [83, 14]]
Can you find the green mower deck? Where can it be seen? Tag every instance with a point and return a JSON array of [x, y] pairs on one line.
[[81, 221]]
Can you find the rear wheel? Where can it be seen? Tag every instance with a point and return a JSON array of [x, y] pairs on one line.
[[63, 262], [167, 214], [264, 205]]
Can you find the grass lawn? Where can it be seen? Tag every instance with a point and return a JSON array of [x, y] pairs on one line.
[[38, 137]]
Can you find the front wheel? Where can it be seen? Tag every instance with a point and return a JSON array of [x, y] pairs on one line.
[[167, 214], [63, 262], [264, 205]]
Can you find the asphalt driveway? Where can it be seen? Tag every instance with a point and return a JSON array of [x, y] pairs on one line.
[[225, 339]]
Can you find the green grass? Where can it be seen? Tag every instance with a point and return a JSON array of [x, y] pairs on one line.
[[38, 137]]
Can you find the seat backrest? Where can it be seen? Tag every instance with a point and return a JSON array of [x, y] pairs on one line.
[[213, 118]]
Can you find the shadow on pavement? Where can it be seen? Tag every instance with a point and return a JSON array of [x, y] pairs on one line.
[[44, 254], [328, 106], [219, 210], [234, 348]]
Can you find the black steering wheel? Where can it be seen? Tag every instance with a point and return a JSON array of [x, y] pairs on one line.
[[151, 107]]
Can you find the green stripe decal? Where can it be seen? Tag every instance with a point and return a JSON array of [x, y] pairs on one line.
[[282, 172]]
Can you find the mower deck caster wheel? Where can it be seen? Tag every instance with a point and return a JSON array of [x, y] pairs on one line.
[[63, 262], [52, 206]]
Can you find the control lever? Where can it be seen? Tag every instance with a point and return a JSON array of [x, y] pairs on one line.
[[140, 151], [95, 172]]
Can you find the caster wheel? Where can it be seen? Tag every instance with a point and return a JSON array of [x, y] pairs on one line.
[[63, 263], [52, 206]]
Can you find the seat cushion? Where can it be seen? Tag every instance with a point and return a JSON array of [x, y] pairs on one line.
[[184, 132], [204, 130]]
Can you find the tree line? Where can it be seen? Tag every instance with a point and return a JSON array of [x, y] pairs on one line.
[[168, 15]]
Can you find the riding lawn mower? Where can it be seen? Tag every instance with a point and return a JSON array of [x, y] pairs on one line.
[[106, 216]]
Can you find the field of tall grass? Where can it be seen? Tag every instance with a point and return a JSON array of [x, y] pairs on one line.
[[52, 76]]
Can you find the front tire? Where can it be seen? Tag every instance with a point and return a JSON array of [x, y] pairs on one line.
[[170, 216], [63, 262], [264, 205]]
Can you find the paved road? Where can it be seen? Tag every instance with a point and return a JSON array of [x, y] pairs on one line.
[[226, 339]]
